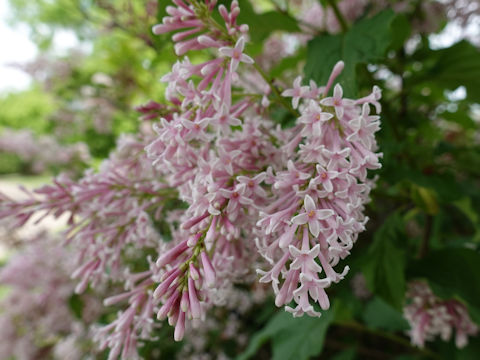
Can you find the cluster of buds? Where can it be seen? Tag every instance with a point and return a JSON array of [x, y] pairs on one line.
[[429, 316]]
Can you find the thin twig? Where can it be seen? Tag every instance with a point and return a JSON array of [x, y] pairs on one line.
[[424, 246], [286, 13], [392, 337], [338, 15], [275, 90]]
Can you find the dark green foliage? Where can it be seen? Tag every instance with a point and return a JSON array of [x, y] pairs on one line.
[[76, 305], [385, 269], [458, 65], [454, 270], [380, 315], [367, 41], [291, 338]]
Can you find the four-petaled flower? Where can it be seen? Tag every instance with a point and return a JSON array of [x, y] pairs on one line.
[[297, 92], [236, 53], [252, 185], [236, 198], [337, 101], [305, 259], [312, 216], [365, 127], [223, 119], [325, 177]]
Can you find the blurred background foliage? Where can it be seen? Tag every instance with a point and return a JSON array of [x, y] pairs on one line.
[[89, 92], [424, 214]]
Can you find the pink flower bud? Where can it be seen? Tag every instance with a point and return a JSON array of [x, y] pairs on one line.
[[167, 307], [194, 274], [208, 270], [195, 308], [180, 327], [184, 302], [192, 240], [337, 69], [163, 287], [172, 254]]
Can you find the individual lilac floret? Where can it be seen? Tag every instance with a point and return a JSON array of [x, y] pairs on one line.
[[297, 92], [236, 53], [312, 216], [337, 101]]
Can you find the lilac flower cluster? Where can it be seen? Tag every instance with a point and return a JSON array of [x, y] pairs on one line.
[[317, 210], [304, 187], [43, 152], [35, 319], [248, 194], [430, 316]]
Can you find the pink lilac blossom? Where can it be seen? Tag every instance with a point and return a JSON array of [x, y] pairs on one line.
[[111, 216], [359, 287], [35, 320], [323, 17], [250, 195], [429, 316], [329, 178], [42, 153], [323, 189]]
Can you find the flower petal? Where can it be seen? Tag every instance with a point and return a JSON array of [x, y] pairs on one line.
[[314, 226], [240, 45], [324, 214], [226, 51], [300, 219], [309, 204], [246, 59], [338, 92]]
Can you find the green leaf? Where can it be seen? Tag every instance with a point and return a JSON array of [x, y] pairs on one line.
[[465, 205], [385, 271], [425, 199], [366, 41], [348, 354], [444, 184], [380, 315], [161, 10], [451, 352], [401, 31], [75, 303], [458, 65], [289, 62], [291, 338], [456, 270], [262, 25]]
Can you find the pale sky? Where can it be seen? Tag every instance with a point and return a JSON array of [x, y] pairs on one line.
[[15, 46]]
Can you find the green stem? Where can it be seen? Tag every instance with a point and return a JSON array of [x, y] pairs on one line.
[[280, 98], [426, 236], [338, 15]]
